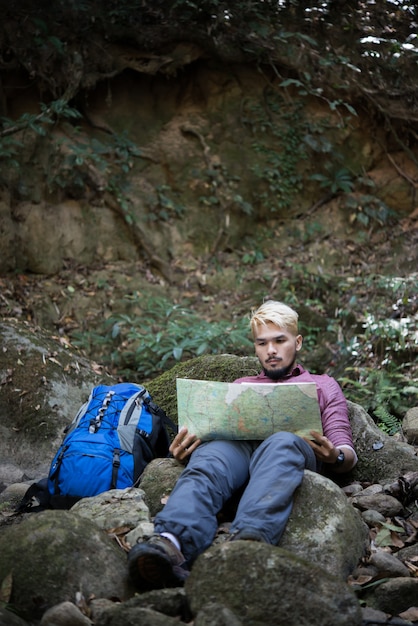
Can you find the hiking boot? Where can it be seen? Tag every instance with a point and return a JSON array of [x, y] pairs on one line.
[[246, 534], [157, 563]]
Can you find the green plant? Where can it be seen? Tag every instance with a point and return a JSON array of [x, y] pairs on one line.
[[383, 388], [14, 132], [166, 206], [252, 257], [367, 209], [386, 534], [43, 39], [383, 393], [336, 181], [161, 335], [221, 195], [278, 168], [386, 421]]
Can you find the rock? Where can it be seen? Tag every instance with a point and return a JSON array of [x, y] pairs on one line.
[[126, 615], [53, 555], [214, 614], [324, 527], [387, 505], [10, 473], [43, 386], [381, 458], [388, 565], [393, 596], [143, 608], [115, 508], [260, 582], [224, 367], [371, 490], [373, 616], [65, 614], [99, 607], [13, 494], [373, 518], [408, 553], [142, 532], [352, 489], [158, 480], [9, 618], [410, 425]]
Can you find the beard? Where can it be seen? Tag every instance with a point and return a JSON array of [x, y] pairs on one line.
[[281, 372], [278, 374]]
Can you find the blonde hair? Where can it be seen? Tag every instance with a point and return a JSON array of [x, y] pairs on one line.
[[277, 313]]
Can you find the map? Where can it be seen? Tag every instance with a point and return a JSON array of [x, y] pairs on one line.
[[217, 410]]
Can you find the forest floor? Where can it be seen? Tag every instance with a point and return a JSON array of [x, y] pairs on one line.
[[334, 281]]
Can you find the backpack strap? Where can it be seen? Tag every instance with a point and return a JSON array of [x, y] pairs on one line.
[[159, 412], [36, 498], [115, 468], [54, 476]]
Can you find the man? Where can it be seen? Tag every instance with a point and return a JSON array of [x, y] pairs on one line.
[[268, 472]]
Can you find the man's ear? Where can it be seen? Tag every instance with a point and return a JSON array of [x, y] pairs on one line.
[[299, 342]]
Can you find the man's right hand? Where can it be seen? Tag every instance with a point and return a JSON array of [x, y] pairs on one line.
[[183, 445]]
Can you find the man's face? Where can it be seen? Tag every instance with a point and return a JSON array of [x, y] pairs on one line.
[[276, 349]]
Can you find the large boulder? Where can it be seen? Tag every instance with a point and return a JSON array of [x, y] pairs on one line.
[[324, 527], [223, 367], [43, 384], [54, 555], [264, 584], [381, 458]]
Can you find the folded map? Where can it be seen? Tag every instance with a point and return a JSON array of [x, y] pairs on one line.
[[218, 410]]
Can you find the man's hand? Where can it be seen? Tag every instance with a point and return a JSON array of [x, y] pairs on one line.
[[326, 452], [183, 445], [323, 448]]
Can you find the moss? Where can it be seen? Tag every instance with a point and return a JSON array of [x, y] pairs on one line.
[[224, 367]]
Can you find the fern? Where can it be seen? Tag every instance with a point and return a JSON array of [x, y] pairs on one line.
[[387, 422]]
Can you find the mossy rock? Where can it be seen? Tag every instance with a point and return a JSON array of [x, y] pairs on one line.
[[222, 367]]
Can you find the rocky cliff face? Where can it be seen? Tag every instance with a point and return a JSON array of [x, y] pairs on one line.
[[164, 166]]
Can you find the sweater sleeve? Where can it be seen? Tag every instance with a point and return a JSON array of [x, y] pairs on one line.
[[334, 414]]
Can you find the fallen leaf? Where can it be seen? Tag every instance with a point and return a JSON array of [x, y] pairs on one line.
[[6, 589], [120, 530], [359, 580], [81, 603], [410, 614], [412, 568], [54, 361]]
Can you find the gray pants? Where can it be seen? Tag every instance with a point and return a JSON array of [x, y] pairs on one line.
[[270, 471]]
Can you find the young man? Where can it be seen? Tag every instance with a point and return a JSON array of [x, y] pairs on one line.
[[268, 472]]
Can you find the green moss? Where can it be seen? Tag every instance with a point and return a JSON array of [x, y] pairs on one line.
[[223, 367]]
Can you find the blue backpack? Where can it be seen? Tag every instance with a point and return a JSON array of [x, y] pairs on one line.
[[113, 437]]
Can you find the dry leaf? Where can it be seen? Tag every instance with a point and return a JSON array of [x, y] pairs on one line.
[[410, 614], [81, 604], [54, 361], [6, 589], [359, 580], [119, 530]]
